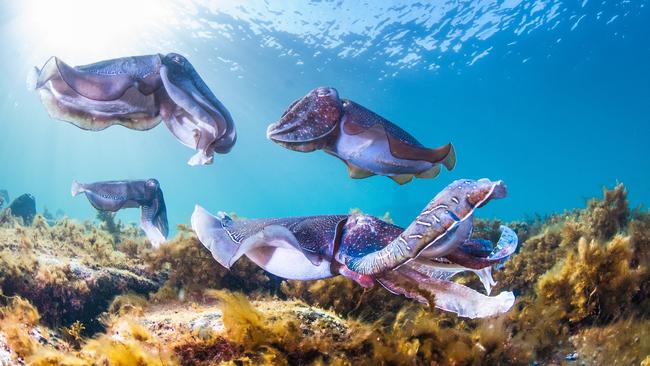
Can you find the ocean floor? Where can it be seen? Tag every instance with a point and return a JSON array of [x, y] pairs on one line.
[[95, 293]]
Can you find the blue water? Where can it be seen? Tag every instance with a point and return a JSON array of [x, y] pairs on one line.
[[553, 97]]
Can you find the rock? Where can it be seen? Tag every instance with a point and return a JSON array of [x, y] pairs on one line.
[[68, 290], [24, 207]]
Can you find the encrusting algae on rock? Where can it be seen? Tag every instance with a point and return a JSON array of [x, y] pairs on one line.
[[582, 279]]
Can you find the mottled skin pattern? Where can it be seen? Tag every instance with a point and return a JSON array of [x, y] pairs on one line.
[[449, 209], [115, 195], [138, 92], [315, 234], [366, 142], [435, 246]]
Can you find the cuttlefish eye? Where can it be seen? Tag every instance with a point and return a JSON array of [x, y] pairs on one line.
[[152, 184]]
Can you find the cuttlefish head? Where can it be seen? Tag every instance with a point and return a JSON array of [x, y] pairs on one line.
[[309, 121], [193, 113]]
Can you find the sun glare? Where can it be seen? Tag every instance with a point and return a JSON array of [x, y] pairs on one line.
[[87, 30]]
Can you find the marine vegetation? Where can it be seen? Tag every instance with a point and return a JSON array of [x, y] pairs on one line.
[[581, 277], [137, 93], [366, 142]]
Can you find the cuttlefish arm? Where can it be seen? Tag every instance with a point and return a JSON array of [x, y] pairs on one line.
[[447, 211], [447, 295], [293, 248], [138, 92], [115, 195], [193, 114]]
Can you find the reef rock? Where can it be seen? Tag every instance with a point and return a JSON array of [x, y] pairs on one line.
[[69, 272], [24, 207]]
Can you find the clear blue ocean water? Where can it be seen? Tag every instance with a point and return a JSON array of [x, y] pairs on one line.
[[552, 96]]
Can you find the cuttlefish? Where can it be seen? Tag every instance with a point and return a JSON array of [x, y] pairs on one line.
[[138, 92], [366, 142], [415, 262], [115, 195]]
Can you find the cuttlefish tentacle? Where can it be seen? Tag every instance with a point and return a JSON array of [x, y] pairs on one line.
[[137, 93], [115, 195], [448, 295]]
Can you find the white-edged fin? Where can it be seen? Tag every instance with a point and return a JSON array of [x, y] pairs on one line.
[[76, 188], [212, 233], [273, 236]]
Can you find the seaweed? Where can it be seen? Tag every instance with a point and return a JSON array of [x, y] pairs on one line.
[[581, 277], [626, 342], [191, 269], [107, 220]]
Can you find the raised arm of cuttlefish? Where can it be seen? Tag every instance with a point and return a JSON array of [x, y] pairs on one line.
[[366, 142], [137, 92], [116, 195], [415, 262]]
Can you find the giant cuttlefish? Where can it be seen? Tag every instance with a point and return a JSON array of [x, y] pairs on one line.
[[137, 92], [415, 262], [366, 142], [115, 195]]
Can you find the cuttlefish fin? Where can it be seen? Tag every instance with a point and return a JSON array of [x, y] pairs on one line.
[[402, 178], [358, 173], [430, 173], [446, 155], [273, 236]]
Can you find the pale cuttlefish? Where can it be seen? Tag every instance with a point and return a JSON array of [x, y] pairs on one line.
[[115, 195], [366, 142], [415, 262], [137, 92]]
